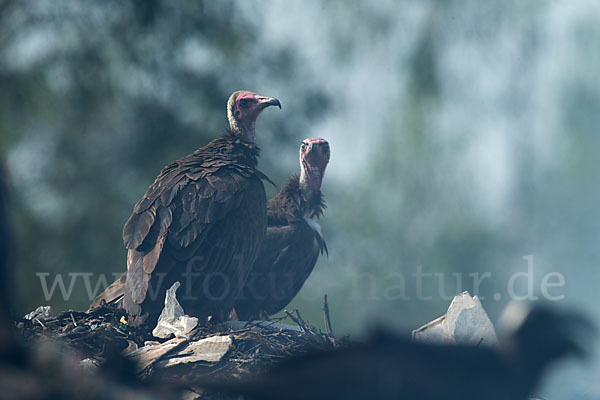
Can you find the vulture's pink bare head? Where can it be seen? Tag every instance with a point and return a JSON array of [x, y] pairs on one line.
[[243, 107], [314, 157]]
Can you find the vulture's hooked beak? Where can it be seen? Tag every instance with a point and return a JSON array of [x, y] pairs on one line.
[[269, 101]]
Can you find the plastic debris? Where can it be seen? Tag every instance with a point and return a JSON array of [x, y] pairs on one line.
[[41, 313], [89, 364], [466, 322], [148, 355], [179, 351], [172, 320], [211, 350]]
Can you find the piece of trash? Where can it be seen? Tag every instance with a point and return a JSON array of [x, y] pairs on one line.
[[210, 349], [123, 320], [89, 364], [148, 355], [41, 313], [465, 322], [172, 320]]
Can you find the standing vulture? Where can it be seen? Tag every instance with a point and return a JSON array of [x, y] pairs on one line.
[[293, 243], [201, 223]]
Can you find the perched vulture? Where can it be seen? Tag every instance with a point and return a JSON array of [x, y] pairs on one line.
[[201, 223], [389, 367], [293, 243]]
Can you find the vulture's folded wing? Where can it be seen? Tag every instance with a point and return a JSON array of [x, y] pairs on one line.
[[178, 212]]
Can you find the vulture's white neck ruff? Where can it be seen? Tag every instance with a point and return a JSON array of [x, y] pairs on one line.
[[315, 226]]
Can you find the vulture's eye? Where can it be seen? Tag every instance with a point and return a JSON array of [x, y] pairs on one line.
[[244, 103], [303, 146]]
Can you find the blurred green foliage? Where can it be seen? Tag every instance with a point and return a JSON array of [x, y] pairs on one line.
[[97, 97]]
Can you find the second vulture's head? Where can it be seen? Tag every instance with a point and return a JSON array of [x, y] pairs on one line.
[[243, 107], [314, 157]]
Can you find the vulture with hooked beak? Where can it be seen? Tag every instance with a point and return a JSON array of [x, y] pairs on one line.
[[293, 243], [201, 223]]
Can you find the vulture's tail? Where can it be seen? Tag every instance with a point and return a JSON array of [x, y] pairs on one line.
[[113, 293]]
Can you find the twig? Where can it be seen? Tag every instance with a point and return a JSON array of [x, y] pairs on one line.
[[289, 314], [304, 324], [40, 322], [327, 317], [73, 319]]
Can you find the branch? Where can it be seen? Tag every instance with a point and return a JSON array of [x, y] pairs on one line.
[[327, 318]]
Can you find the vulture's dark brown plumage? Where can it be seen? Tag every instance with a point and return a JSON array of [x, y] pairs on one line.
[[293, 243], [201, 223]]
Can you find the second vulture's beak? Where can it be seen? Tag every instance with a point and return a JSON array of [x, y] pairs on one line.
[[269, 101]]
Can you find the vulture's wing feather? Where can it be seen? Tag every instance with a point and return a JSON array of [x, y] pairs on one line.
[[137, 283], [296, 260], [176, 216], [287, 257]]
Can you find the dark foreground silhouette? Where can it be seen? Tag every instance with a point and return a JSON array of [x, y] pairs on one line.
[[389, 367]]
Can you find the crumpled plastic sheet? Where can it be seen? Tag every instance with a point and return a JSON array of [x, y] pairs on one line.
[[41, 313], [465, 322], [172, 320]]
